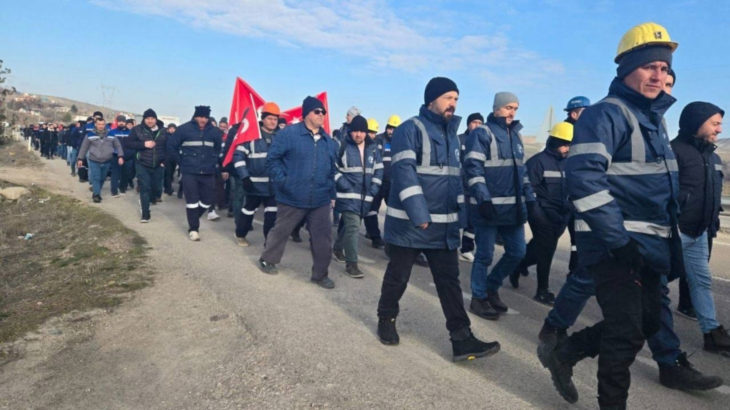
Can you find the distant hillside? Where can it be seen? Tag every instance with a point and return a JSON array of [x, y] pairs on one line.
[[27, 108]]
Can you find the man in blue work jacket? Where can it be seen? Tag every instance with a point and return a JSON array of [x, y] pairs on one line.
[[425, 208]]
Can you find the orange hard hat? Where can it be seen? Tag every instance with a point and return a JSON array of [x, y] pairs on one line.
[[271, 108]]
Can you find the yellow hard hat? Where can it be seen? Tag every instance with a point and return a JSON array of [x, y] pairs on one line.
[[562, 130], [373, 125], [393, 121], [643, 35]]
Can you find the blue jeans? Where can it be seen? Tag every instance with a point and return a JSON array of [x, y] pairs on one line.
[[71, 159], [116, 174], [579, 287], [514, 251], [697, 267], [97, 175]]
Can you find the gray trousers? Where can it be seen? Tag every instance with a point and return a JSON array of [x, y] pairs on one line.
[[319, 225], [347, 235]]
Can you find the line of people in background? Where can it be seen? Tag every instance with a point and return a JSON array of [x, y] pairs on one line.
[[640, 209]]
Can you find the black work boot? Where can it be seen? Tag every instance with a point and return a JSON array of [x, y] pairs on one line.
[[545, 297], [550, 337], [514, 279], [496, 302], [483, 309], [353, 271], [718, 341], [683, 376], [467, 347], [560, 372], [378, 243], [339, 255], [295, 236], [386, 331]]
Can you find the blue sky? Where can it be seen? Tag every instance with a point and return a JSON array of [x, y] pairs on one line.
[[174, 54]]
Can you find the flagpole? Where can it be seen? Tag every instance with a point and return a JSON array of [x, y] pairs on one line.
[[256, 111]]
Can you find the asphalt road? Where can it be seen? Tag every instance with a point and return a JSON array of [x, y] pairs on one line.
[[327, 338]]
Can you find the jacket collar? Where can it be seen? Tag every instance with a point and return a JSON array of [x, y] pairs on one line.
[[303, 130], [657, 106], [699, 144], [501, 122], [451, 125]]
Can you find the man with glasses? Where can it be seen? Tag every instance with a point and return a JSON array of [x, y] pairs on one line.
[[303, 195]]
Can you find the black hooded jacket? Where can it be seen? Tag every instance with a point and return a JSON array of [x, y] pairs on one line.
[[700, 185], [149, 157]]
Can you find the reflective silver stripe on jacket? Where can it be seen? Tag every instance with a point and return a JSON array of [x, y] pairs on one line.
[[590, 148], [376, 181], [258, 155], [505, 200], [476, 180], [239, 164], [435, 218], [638, 164], [553, 174], [407, 154], [718, 167], [349, 195], [647, 228], [409, 192], [259, 179], [593, 201], [241, 148], [197, 144], [425, 167]]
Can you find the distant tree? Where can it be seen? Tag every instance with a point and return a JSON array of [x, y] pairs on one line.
[[66, 117], [4, 93], [74, 109]]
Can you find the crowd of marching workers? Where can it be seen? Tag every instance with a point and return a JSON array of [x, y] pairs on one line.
[[641, 208]]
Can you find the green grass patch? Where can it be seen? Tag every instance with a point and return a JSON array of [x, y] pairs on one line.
[[79, 258]]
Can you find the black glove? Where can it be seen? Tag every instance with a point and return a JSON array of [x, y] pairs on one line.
[[487, 210], [629, 255], [247, 184]]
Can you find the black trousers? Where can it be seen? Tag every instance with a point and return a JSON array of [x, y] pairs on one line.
[[199, 195], [631, 307], [244, 216], [371, 218], [541, 249], [444, 265], [170, 167]]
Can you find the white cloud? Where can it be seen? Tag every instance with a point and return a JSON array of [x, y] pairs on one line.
[[366, 28]]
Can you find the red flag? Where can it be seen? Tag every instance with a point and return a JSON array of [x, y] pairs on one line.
[[294, 115], [241, 93], [244, 108]]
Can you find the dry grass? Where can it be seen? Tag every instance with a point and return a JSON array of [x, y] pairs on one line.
[[79, 258], [16, 154]]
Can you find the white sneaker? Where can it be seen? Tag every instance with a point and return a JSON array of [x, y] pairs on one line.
[[212, 216], [193, 235], [467, 256], [144, 221]]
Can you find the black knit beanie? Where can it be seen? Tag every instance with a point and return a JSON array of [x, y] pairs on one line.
[[310, 104], [641, 56], [202, 111], [149, 113], [474, 116], [437, 87], [694, 115], [358, 123]]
